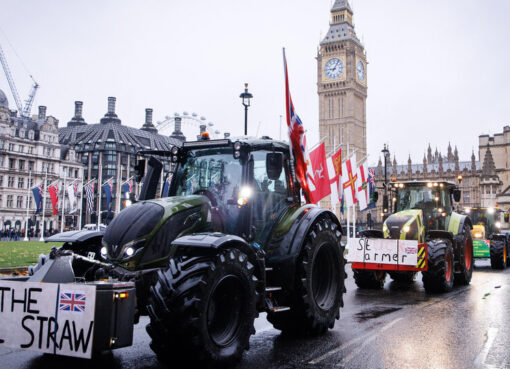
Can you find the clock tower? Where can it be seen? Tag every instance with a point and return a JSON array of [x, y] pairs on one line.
[[342, 85]]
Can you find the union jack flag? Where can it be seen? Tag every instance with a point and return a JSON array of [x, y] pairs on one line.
[[371, 188], [74, 302], [297, 140]]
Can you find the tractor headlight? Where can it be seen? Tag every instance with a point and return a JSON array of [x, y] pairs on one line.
[[175, 150], [498, 225], [406, 229], [244, 195], [130, 251], [131, 247], [478, 235], [490, 210], [104, 251]]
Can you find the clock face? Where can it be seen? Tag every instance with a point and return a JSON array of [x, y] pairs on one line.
[[360, 70], [334, 68]]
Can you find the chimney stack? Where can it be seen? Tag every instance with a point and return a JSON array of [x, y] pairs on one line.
[[111, 105], [177, 133], [42, 113], [110, 116], [78, 109], [148, 126], [148, 116]]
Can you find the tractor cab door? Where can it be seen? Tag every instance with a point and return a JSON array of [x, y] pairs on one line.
[[270, 193]]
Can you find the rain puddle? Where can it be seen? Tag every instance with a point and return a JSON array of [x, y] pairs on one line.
[[375, 313]]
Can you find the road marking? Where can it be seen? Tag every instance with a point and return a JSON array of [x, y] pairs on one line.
[[482, 356], [355, 352], [368, 336]]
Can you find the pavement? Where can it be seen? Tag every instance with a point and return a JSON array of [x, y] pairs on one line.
[[397, 327]]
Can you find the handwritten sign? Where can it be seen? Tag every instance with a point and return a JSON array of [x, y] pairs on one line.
[[382, 251], [47, 317]]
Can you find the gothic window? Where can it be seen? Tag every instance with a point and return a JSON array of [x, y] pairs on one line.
[[1, 181], [11, 147], [21, 182], [21, 165], [1, 161], [12, 163], [19, 202], [31, 165], [9, 201], [30, 183]]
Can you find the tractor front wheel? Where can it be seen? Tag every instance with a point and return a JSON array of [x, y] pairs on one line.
[[439, 276], [466, 261], [369, 279], [498, 251], [318, 294], [202, 309]]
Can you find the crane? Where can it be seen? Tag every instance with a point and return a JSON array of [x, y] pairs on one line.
[[24, 111]]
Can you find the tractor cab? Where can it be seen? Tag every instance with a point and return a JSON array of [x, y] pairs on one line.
[[418, 207], [247, 183]]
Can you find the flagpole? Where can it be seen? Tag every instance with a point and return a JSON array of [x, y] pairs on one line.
[[28, 203], [44, 204], [100, 185], [63, 202], [81, 205]]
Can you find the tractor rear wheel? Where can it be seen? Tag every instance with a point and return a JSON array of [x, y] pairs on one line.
[[369, 279], [403, 277], [318, 294], [498, 251], [439, 276], [466, 261], [202, 309]]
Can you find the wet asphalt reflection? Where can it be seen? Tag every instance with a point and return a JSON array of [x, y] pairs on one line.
[[397, 327]]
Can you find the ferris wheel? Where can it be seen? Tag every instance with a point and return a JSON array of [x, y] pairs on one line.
[[191, 125]]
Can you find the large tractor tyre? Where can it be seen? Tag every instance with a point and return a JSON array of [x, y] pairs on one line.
[[466, 261], [369, 279], [202, 309], [498, 251], [403, 277], [318, 295], [439, 276]]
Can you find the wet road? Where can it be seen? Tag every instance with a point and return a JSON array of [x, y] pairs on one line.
[[399, 327]]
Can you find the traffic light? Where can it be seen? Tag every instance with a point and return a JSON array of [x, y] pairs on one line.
[[506, 217]]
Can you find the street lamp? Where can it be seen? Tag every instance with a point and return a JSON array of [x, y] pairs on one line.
[[246, 96], [386, 153]]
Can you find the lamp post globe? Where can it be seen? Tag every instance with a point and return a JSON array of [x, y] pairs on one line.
[[246, 96]]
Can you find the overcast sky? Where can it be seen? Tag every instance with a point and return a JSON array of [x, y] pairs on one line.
[[438, 69]]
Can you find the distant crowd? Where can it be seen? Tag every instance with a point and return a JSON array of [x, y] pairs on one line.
[[17, 234]]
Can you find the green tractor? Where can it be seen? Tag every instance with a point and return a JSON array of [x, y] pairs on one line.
[[488, 239], [231, 240], [422, 212]]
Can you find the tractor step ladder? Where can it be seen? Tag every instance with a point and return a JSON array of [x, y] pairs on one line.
[[269, 297]]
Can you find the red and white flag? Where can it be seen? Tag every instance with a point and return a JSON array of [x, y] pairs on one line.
[[362, 186], [53, 190], [321, 178], [335, 172], [297, 139], [349, 177]]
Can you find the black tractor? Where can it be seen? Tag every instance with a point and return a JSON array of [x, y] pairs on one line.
[[231, 240]]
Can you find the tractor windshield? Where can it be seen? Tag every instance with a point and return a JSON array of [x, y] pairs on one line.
[[216, 174], [430, 199], [487, 217]]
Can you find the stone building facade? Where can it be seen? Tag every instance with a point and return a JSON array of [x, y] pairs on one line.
[[29, 148], [495, 150], [108, 150]]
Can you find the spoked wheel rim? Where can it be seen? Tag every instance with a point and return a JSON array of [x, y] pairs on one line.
[[325, 277], [224, 310], [468, 253], [449, 267]]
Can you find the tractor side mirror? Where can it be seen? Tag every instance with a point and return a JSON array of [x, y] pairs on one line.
[[139, 169], [274, 165], [456, 195]]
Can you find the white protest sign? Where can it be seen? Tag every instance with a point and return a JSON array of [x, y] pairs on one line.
[[47, 317], [383, 251]]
